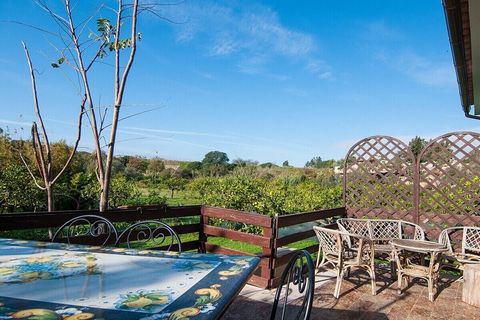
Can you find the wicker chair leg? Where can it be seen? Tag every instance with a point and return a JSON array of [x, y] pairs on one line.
[[430, 289], [372, 280], [338, 285], [399, 282], [320, 263]]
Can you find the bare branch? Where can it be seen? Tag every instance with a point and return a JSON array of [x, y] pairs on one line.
[[135, 114], [75, 145], [86, 84], [30, 172], [39, 154], [30, 26], [46, 143]]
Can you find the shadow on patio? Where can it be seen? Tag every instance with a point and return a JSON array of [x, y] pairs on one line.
[[356, 301]]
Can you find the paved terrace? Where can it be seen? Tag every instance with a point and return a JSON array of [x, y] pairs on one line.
[[356, 301]]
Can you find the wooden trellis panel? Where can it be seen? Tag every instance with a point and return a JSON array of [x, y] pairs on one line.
[[379, 179], [449, 181]]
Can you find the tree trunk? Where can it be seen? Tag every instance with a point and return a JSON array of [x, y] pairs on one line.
[[103, 205], [50, 205]]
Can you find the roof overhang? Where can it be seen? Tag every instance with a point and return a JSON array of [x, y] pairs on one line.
[[463, 22]]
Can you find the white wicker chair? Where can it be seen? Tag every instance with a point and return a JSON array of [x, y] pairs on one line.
[[466, 249], [382, 231], [334, 250]]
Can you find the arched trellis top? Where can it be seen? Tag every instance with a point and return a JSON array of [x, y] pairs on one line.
[[379, 178], [449, 180], [439, 188]]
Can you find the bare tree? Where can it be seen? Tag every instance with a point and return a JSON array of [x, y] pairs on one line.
[[116, 38], [41, 147], [77, 53]]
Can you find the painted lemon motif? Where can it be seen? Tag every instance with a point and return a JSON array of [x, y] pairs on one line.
[[5, 271], [30, 275], [71, 264], [38, 259], [143, 302], [241, 262], [81, 316], [35, 314], [229, 273]]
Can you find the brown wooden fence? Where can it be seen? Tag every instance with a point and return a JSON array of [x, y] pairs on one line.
[[273, 247]]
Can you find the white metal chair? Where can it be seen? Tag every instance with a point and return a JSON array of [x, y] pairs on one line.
[[343, 254]]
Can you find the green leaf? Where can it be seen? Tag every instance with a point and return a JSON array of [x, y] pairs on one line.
[[54, 65], [61, 60], [103, 25]]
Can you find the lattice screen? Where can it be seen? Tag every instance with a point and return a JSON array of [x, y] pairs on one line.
[[379, 179], [449, 181]]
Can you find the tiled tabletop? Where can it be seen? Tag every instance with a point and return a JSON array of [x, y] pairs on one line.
[[44, 281]]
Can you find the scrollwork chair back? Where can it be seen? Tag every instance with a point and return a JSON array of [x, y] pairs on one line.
[[152, 233], [298, 276], [87, 229]]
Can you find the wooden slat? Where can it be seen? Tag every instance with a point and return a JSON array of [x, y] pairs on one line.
[[87, 240], [293, 219], [238, 216], [282, 260], [187, 228], [237, 235], [214, 248], [291, 238], [17, 221], [184, 211]]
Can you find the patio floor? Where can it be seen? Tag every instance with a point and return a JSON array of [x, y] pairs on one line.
[[356, 301]]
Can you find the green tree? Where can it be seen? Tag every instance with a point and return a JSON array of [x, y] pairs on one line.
[[317, 162], [416, 145], [155, 167], [175, 184], [215, 163], [285, 164], [190, 170]]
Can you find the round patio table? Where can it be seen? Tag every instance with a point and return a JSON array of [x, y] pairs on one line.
[[403, 249]]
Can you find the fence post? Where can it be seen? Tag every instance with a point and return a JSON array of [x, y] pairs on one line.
[[268, 254], [202, 237]]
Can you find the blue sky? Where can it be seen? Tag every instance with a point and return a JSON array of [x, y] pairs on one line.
[[267, 81]]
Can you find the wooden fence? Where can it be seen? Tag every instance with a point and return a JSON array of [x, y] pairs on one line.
[[274, 252]]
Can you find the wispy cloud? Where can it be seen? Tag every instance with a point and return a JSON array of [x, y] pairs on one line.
[[320, 68], [253, 34], [425, 71], [16, 123], [390, 47], [177, 132]]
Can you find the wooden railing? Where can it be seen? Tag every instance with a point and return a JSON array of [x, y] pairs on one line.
[[205, 227]]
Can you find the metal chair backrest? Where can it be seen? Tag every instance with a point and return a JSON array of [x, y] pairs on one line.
[[87, 229], [299, 273], [152, 233]]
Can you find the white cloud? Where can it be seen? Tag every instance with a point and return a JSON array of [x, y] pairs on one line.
[[320, 68], [390, 47], [425, 71], [252, 34]]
